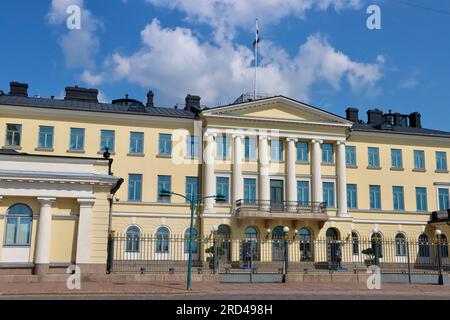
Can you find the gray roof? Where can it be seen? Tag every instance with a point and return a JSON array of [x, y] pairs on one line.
[[401, 130], [92, 106]]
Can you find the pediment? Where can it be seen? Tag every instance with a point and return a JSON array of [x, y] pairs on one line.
[[277, 109]]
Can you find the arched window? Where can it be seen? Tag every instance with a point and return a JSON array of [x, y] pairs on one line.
[[355, 243], [194, 246], [278, 244], [162, 240], [19, 220], [224, 235], [250, 247], [305, 244], [424, 246], [332, 234], [133, 236], [224, 231], [377, 242], [400, 245], [443, 246]]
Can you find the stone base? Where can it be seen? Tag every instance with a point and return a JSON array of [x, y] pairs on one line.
[[40, 269]]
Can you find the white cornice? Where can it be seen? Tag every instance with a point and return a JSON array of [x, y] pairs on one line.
[[398, 135]]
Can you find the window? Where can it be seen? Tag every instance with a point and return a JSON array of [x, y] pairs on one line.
[[399, 199], [419, 160], [443, 199], [424, 246], [107, 140], [19, 219], [222, 147], [249, 191], [165, 144], [76, 139], [441, 161], [192, 147], [222, 187], [276, 150], [162, 240], [355, 243], [302, 152], [133, 235], [303, 193], [400, 245], [134, 187], [164, 183], [421, 199], [192, 188], [13, 135], [136, 142], [374, 157], [327, 153], [396, 159], [194, 245], [305, 244], [352, 199], [328, 194], [443, 245], [350, 156], [250, 149], [250, 250], [45, 137], [375, 197]]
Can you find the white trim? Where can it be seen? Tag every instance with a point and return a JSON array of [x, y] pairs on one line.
[[396, 222]]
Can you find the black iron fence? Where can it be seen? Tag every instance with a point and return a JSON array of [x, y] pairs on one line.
[[150, 254]]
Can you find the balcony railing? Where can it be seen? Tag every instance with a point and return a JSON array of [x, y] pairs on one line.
[[269, 206]]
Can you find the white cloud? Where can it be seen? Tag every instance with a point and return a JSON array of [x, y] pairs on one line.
[[226, 15], [175, 62], [90, 78], [79, 46]]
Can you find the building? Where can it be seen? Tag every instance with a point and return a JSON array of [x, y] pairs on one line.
[[278, 162]]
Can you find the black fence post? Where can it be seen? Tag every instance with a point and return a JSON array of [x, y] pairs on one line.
[[110, 252], [409, 262]]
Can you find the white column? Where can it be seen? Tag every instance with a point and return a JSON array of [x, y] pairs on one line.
[[264, 180], [341, 180], [238, 193], [84, 238], [44, 235], [317, 195], [291, 157], [209, 156]]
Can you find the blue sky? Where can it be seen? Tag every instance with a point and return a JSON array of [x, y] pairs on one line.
[[317, 51]]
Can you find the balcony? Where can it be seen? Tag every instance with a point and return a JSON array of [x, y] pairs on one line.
[[266, 209]]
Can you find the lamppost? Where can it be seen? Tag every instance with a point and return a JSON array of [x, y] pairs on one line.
[[376, 240], [285, 245], [193, 202], [438, 234]]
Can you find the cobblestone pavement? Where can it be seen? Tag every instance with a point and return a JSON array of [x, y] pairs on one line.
[[221, 291]]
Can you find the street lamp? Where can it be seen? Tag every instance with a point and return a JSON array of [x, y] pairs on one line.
[[438, 234], [193, 201], [376, 240]]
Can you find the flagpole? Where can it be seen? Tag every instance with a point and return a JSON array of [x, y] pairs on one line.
[[256, 62]]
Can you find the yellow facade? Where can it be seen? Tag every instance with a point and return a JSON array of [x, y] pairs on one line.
[[281, 116]]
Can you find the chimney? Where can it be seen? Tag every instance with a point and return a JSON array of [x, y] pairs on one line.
[[150, 96], [352, 114], [415, 120], [193, 103], [374, 116], [81, 94], [18, 89]]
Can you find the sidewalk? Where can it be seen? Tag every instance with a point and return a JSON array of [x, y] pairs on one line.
[[212, 288]]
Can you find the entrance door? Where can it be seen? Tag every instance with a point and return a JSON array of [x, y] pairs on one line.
[[276, 195]]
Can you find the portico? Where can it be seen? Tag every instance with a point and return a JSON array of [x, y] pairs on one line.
[[304, 121], [49, 206]]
